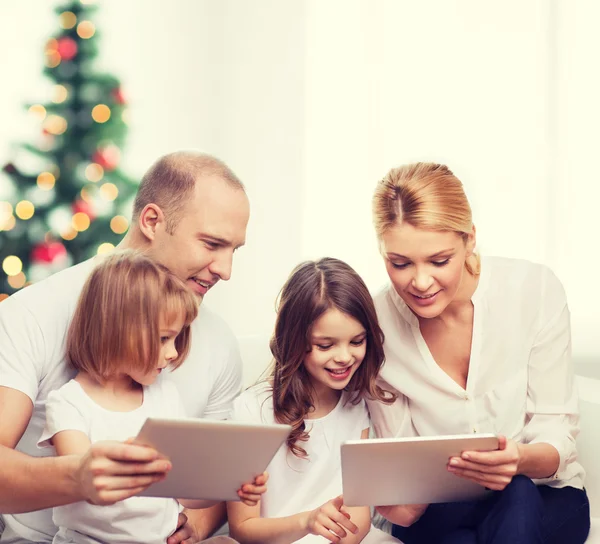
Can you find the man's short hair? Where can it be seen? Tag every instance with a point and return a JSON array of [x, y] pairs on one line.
[[170, 181]]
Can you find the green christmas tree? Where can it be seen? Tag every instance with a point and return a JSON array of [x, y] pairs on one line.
[[68, 200]]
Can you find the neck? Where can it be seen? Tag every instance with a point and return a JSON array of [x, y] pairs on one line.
[[324, 399], [461, 307]]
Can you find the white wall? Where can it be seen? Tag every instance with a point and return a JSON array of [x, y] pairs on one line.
[[312, 101]]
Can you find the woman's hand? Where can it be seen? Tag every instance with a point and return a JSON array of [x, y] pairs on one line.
[[250, 493], [330, 521], [404, 515], [491, 469]]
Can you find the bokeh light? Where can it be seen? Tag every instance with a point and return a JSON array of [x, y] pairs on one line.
[[46, 181], [94, 172], [109, 191], [12, 265], [119, 224], [80, 221], [106, 247], [38, 110], [86, 30], [101, 113], [59, 94], [55, 124], [17, 281], [24, 210], [69, 234], [67, 19]]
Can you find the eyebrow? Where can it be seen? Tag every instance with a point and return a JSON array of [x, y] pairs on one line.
[[219, 240], [392, 254]]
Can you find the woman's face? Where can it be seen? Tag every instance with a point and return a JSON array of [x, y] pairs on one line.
[[426, 267]]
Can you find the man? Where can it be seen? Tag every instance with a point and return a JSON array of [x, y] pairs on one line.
[[190, 214]]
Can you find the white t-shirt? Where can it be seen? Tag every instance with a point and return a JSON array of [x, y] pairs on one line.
[[520, 382], [33, 327], [299, 485], [143, 520]]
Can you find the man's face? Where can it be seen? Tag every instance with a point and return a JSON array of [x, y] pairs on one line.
[[213, 225]]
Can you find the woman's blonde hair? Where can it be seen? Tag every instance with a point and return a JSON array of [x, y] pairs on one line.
[[116, 325], [426, 196]]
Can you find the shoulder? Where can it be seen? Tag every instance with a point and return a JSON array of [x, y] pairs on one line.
[[254, 404], [48, 299], [68, 395], [211, 328], [522, 276]]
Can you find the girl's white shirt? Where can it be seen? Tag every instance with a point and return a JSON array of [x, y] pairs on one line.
[[298, 485], [145, 520]]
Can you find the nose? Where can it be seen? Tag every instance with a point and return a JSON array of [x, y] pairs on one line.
[[422, 281], [222, 265], [171, 353], [343, 355]]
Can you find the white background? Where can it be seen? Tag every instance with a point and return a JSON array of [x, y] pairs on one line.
[[311, 102]]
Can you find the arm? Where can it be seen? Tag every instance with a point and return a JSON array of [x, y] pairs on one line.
[[103, 475], [349, 524]]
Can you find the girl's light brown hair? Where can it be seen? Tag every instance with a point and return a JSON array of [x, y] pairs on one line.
[[312, 289], [426, 196], [116, 325]]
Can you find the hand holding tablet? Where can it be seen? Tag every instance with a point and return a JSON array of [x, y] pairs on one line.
[[398, 471], [211, 459]]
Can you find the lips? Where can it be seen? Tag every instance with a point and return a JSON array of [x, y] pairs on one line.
[[200, 286], [339, 373], [425, 300]]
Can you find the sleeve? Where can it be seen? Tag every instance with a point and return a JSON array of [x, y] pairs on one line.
[[391, 420], [62, 414], [227, 385], [21, 348], [552, 411], [247, 407]]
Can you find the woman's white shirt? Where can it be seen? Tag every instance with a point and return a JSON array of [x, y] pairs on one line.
[[520, 381]]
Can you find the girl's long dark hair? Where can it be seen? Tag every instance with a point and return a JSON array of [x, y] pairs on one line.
[[312, 288]]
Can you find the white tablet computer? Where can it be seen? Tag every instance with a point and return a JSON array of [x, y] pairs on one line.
[[388, 471], [211, 459]]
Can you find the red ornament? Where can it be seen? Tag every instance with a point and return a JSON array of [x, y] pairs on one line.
[[48, 252], [81, 206], [117, 94], [10, 168], [67, 48], [108, 157]]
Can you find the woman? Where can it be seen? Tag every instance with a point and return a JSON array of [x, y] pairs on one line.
[[476, 345]]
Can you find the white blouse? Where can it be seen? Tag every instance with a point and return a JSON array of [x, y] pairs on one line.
[[520, 382]]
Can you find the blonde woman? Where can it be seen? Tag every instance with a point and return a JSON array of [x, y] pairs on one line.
[[475, 345]]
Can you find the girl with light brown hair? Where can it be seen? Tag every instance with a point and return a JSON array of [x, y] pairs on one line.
[[476, 344], [327, 352], [132, 321]]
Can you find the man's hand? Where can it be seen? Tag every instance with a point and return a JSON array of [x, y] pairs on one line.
[[184, 533], [491, 469], [113, 471]]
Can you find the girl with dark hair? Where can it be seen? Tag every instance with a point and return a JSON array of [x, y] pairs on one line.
[[327, 352]]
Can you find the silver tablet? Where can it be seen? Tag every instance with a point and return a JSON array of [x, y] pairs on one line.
[[380, 472], [211, 459]]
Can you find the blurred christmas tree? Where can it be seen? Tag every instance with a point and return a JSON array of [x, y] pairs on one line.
[[68, 198]]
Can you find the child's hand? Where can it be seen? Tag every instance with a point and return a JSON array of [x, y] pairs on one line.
[[329, 521], [250, 493]]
